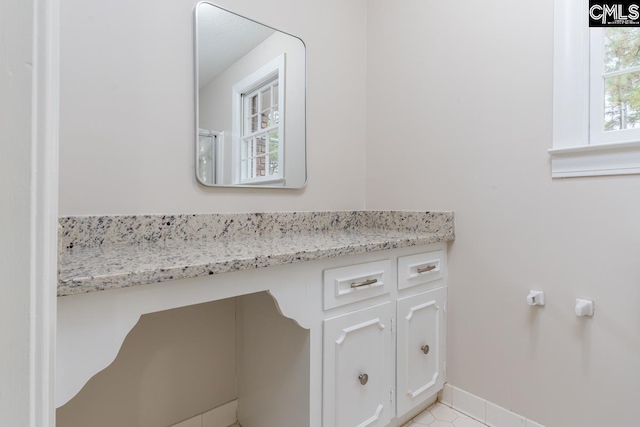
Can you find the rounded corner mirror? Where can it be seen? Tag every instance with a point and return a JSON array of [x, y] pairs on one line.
[[250, 91]]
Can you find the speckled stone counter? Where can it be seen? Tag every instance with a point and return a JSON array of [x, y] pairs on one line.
[[107, 252]]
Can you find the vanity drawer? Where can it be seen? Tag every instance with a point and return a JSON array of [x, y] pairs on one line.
[[345, 285], [414, 270]]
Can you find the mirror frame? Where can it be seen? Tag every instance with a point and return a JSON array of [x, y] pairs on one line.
[[197, 105]]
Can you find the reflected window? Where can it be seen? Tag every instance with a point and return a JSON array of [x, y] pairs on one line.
[[258, 123], [260, 144]]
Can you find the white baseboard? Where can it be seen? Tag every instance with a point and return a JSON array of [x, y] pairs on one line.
[[482, 410], [222, 416]]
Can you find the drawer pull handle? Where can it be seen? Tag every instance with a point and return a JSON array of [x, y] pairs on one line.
[[365, 283], [364, 379], [427, 268], [425, 349]]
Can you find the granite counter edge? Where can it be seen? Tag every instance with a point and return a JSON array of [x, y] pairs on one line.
[[88, 284]]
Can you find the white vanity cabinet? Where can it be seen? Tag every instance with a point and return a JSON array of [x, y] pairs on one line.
[[357, 355], [420, 348], [385, 362], [358, 368]]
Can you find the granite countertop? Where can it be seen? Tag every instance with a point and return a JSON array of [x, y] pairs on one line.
[[100, 253]]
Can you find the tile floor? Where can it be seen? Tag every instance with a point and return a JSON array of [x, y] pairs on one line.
[[439, 415]]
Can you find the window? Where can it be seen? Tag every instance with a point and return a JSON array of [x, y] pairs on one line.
[[260, 143], [596, 117], [614, 85], [258, 125]]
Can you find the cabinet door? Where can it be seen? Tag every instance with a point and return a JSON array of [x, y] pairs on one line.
[[421, 348], [358, 368]]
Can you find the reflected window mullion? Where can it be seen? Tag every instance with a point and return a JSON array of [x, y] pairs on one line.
[[261, 129]]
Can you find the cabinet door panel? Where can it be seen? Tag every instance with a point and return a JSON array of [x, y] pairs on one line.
[[356, 345], [421, 347]]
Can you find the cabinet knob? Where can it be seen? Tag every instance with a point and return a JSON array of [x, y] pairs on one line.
[[364, 378], [425, 349]]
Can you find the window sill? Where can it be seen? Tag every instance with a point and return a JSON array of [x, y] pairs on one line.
[[595, 160]]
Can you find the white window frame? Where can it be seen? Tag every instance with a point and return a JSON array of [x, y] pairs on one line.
[[577, 149], [274, 69]]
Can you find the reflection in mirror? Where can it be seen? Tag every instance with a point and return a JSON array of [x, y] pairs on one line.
[[250, 103]]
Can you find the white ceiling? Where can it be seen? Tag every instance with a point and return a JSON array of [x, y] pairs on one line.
[[223, 38]]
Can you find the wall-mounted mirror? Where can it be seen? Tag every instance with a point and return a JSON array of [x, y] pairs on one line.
[[250, 102]]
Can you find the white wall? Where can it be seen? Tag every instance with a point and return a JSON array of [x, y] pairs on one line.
[[459, 116], [127, 107], [273, 365], [162, 375]]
